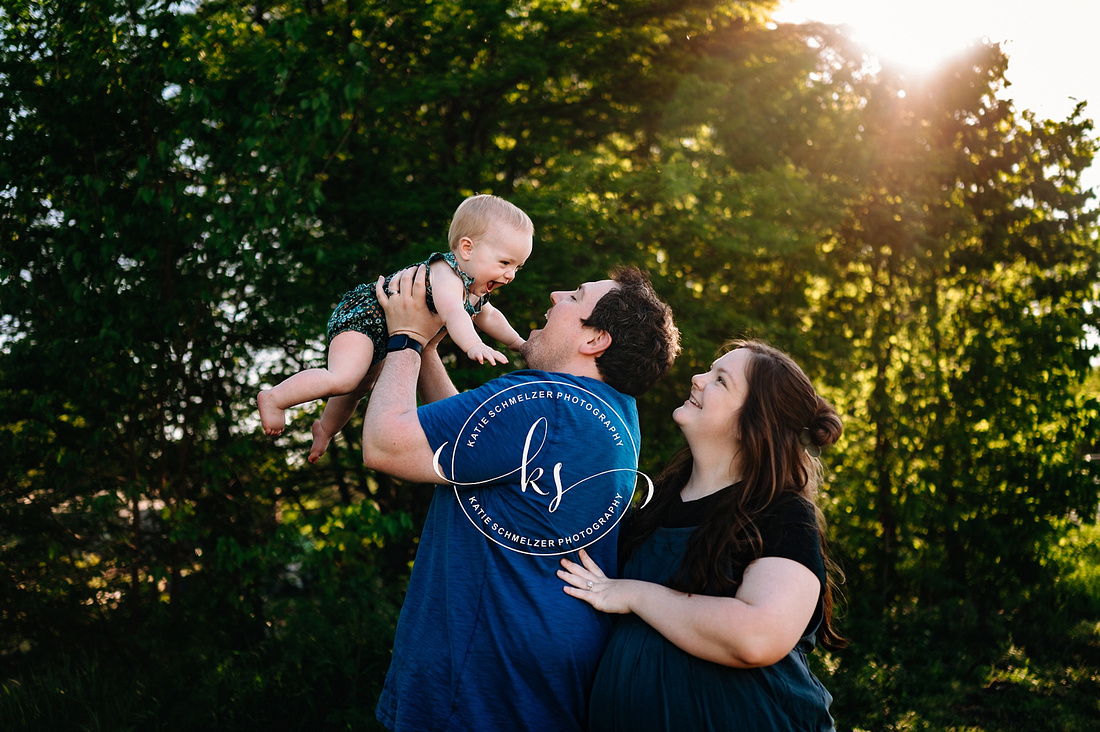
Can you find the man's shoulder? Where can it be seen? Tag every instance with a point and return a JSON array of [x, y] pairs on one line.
[[541, 379], [516, 385], [585, 382]]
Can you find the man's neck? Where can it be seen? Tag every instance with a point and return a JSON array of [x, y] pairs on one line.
[[576, 367]]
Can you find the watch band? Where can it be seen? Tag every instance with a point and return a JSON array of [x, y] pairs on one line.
[[401, 342]]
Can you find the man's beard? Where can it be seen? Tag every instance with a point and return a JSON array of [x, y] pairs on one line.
[[541, 355]]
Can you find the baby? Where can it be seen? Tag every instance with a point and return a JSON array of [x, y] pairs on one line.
[[490, 239]]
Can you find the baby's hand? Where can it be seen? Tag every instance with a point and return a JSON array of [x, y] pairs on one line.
[[483, 353]]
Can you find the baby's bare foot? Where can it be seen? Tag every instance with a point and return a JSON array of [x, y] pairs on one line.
[[320, 442], [271, 416]]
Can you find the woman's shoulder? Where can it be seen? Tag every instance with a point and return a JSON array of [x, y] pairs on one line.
[[789, 515], [791, 506], [789, 529]]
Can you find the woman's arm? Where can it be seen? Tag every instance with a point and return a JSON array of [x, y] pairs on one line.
[[757, 627]]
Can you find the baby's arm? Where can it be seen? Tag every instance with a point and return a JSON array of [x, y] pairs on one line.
[[493, 323], [448, 295]]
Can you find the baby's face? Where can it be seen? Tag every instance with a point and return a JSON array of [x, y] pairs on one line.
[[495, 257]]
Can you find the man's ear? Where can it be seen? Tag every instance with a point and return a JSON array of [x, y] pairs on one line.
[[598, 342], [465, 248]]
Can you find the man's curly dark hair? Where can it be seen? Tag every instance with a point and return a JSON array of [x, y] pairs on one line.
[[644, 339]]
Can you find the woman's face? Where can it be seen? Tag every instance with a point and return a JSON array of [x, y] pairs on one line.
[[716, 398]]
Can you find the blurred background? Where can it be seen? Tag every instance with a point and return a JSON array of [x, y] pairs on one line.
[[187, 189]]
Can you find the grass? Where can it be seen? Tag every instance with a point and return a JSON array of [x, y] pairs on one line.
[[1037, 671], [944, 687]]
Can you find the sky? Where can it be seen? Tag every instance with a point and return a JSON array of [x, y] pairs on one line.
[[1051, 45]]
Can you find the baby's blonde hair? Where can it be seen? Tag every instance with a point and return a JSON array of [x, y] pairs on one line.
[[476, 214]]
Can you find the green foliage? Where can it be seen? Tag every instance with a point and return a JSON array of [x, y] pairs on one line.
[[1075, 561], [187, 189], [959, 280], [929, 682], [941, 667], [307, 648]]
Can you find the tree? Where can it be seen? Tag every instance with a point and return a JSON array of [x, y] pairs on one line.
[[187, 190], [122, 378], [962, 272], [182, 184]]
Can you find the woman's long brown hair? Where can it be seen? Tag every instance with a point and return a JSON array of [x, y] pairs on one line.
[[781, 421]]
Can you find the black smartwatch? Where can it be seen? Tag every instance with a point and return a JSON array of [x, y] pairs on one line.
[[403, 341]]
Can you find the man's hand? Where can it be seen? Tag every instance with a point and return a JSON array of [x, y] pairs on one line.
[[393, 440], [406, 305]]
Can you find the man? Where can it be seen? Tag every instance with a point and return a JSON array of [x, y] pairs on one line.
[[534, 465]]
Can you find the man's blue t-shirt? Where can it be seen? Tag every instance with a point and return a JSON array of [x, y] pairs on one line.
[[538, 465]]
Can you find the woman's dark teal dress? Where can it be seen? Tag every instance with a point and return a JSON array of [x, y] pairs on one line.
[[644, 682]]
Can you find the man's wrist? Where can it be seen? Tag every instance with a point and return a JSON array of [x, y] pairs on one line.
[[402, 341]]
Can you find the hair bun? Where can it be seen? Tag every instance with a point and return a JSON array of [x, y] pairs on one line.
[[825, 427]]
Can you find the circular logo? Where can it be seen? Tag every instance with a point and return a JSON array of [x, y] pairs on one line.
[[543, 467]]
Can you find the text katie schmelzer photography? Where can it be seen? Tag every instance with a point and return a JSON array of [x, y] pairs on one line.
[[562, 504]]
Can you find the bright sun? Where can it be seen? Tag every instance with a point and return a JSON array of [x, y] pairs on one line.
[[917, 35], [1051, 46]]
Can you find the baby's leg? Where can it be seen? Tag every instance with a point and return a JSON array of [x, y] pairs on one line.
[[349, 358], [338, 411]]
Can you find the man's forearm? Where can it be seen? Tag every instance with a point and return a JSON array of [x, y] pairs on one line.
[[435, 383], [393, 439]]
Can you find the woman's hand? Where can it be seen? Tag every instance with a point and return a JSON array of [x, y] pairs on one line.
[[588, 582], [758, 627]]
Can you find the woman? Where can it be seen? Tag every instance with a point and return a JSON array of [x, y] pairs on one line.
[[724, 586]]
